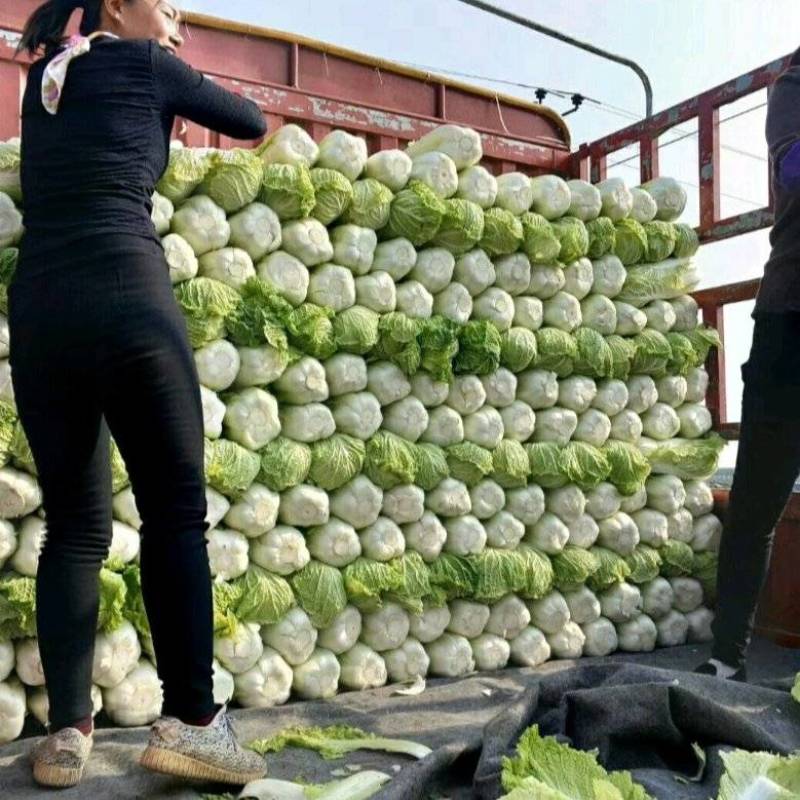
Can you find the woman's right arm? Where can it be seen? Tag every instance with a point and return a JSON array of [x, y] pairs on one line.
[[188, 93]]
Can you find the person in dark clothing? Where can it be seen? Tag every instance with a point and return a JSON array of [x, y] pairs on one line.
[[99, 348], [768, 461]]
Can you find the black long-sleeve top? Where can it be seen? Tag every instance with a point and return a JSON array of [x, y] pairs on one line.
[[89, 171], [780, 286]]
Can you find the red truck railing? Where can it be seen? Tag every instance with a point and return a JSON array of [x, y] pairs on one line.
[[779, 608], [591, 162]]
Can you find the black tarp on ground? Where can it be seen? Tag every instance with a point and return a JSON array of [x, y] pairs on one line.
[[645, 720], [449, 716]]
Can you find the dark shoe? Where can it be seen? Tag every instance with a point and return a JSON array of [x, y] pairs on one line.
[[711, 668]]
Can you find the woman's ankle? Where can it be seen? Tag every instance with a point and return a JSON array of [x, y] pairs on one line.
[[84, 725], [201, 721]]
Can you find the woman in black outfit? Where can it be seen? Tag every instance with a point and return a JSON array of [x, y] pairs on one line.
[[99, 348]]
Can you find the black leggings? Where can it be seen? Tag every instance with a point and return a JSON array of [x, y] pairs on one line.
[[101, 348], [767, 467]]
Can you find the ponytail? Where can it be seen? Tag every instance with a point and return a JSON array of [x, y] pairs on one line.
[[46, 26]]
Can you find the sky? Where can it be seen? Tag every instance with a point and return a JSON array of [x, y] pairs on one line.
[[685, 46]]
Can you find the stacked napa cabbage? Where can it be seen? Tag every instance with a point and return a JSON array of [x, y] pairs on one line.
[[453, 421]]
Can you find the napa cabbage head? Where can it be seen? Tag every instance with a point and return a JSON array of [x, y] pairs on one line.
[[574, 238], [687, 242], [390, 461], [518, 349], [186, 169], [539, 243], [461, 228], [502, 232], [602, 237], [415, 214], [320, 592], [355, 330], [290, 144], [480, 348], [336, 460], [661, 240], [288, 190], [206, 305], [233, 178], [333, 194], [370, 205], [631, 242]]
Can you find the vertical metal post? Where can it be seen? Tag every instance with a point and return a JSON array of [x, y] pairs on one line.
[[599, 168], [770, 187], [648, 157], [580, 165], [716, 399], [294, 65], [441, 101], [12, 86], [709, 164], [319, 130]]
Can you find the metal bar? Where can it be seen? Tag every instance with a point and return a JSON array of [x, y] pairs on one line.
[[319, 130], [294, 65], [563, 37], [709, 164], [716, 399], [770, 184], [720, 95], [581, 164], [655, 126], [736, 226], [648, 158], [725, 295], [599, 168], [385, 142], [712, 303], [11, 88], [441, 101]]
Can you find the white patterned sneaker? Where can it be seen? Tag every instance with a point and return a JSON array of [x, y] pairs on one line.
[[209, 753], [58, 759]]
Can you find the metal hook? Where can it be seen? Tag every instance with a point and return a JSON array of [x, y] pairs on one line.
[[577, 102]]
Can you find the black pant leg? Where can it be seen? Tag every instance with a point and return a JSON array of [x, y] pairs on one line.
[[57, 404], [767, 467], [153, 406]]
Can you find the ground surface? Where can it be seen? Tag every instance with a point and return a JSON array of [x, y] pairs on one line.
[[448, 711]]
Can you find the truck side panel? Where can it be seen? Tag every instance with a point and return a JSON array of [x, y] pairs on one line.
[[321, 87]]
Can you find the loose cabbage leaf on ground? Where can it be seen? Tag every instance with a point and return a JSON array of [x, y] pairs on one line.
[[553, 770]]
